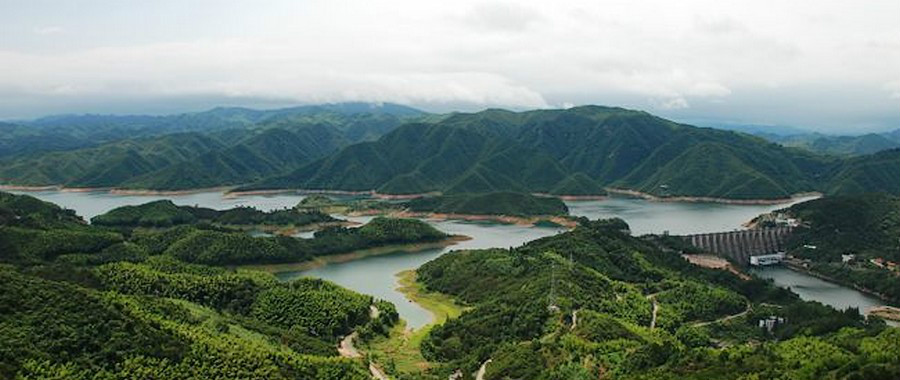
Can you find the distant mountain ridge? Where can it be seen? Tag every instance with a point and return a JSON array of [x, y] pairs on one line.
[[584, 148], [839, 145], [223, 146], [394, 149], [65, 132]]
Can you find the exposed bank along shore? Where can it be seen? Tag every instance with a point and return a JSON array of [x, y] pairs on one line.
[[775, 201]]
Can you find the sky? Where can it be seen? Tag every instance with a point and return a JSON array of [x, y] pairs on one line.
[[823, 65]]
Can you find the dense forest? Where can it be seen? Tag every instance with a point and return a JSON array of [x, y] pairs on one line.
[[598, 303], [81, 301], [868, 143], [580, 151], [84, 302], [398, 150], [223, 146], [866, 226], [500, 203], [164, 213]]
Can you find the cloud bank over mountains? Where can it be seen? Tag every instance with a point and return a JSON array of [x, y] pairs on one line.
[[825, 65]]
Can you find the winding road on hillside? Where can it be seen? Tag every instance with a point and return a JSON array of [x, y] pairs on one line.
[[727, 317], [348, 350], [480, 374]]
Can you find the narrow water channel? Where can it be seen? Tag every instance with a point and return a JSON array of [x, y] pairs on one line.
[[375, 275]]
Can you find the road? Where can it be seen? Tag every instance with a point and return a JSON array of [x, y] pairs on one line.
[[726, 318], [348, 350], [480, 374]]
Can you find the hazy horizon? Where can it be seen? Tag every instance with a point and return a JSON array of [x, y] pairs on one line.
[[820, 66]]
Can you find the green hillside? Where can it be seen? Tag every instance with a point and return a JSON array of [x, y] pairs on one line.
[[164, 213], [865, 174], [395, 150], [839, 145], [867, 226], [87, 302], [598, 303], [84, 302], [566, 152], [503, 203], [216, 148]]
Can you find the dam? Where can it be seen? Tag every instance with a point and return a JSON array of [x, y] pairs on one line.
[[739, 246]]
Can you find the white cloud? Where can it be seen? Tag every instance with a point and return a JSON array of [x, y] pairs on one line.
[[47, 30], [708, 89], [648, 54], [497, 16], [675, 103], [894, 89]]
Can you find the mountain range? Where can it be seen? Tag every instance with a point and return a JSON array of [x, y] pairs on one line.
[[394, 149], [223, 146], [838, 145], [581, 151]]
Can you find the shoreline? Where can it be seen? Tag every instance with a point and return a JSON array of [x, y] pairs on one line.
[[565, 221], [30, 188], [293, 230], [226, 193], [888, 313], [235, 194], [690, 199], [801, 269], [337, 258], [440, 306], [525, 221], [573, 198]]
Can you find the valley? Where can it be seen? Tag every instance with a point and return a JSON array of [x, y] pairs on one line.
[[415, 246]]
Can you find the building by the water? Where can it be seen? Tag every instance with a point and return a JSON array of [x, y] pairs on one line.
[[763, 260]]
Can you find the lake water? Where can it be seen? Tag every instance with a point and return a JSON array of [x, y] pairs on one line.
[[678, 218], [375, 275], [814, 289]]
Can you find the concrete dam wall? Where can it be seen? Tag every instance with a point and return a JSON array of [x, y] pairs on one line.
[[740, 245]]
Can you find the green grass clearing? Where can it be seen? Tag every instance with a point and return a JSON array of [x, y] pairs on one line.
[[399, 352]]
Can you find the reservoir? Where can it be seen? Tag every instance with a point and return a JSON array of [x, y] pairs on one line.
[[375, 275], [815, 289]]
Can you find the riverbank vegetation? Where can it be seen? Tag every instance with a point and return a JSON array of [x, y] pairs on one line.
[[81, 301], [399, 351], [214, 247], [596, 302], [864, 230], [85, 302], [165, 213]]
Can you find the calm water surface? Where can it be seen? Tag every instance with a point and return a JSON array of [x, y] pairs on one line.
[[814, 289], [376, 275], [678, 218]]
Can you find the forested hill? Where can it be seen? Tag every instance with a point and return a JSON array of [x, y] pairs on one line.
[[224, 146], [81, 302], [839, 145], [578, 151], [164, 213], [597, 303], [397, 150], [866, 226]]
